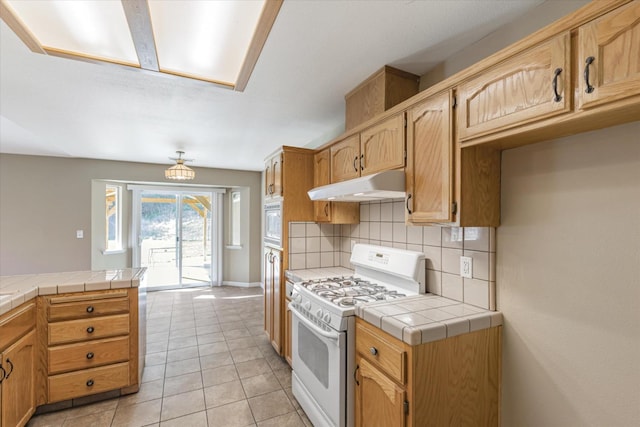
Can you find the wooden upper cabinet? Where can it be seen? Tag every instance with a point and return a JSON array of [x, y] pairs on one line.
[[345, 159], [322, 176], [529, 86], [382, 146], [273, 176], [609, 57], [429, 172]]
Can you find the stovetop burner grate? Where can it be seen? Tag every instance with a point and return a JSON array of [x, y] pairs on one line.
[[350, 291]]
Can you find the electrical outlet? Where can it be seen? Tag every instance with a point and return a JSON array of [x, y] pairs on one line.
[[466, 267], [79, 234]]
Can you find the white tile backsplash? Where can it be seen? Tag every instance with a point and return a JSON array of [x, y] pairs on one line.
[[383, 223]]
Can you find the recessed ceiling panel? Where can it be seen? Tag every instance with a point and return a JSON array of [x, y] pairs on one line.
[[95, 29], [204, 39]]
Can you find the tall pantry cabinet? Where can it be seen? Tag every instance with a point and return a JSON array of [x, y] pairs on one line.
[[288, 176]]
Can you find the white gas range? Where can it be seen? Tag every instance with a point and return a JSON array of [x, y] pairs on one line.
[[323, 324]]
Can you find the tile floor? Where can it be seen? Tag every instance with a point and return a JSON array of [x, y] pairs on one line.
[[208, 364]]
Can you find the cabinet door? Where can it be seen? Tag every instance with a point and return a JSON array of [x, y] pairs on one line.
[[609, 48], [379, 401], [345, 159], [276, 167], [382, 146], [268, 292], [18, 387], [276, 335], [517, 91], [287, 333], [268, 178], [429, 172], [322, 176]]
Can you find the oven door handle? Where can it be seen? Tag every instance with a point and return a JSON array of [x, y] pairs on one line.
[[309, 324]]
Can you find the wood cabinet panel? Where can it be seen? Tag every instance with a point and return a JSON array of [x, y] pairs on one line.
[[382, 146], [273, 176], [88, 354], [379, 401], [18, 399], [88, 329], [430, 161], [345, 159], [609, 48], [87, 305], [16, 323], [517, 91], [88, 381]]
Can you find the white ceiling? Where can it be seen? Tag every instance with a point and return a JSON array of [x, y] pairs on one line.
[[317, 51]]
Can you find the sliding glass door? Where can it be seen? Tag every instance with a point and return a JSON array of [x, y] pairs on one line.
[[175, 236]]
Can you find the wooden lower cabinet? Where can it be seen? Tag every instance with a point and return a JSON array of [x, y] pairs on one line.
[[89, 343], [272, 297], [450, 382], [17, 396], [287, 333]]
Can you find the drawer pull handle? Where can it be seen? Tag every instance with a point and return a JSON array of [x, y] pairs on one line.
[[89, 383], [3, 374], [373, 351], [90, 330], [90, 355], [90, 309], [10, 363]]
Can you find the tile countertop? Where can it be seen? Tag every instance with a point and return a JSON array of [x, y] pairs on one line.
[[16, 290], [424, 318]]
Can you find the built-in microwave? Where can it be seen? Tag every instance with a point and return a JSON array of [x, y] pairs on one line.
[[273, 224]]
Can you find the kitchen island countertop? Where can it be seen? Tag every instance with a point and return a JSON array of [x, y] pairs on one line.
[[16, 290]]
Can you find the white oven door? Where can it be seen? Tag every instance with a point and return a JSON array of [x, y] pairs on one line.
[[319, 364]]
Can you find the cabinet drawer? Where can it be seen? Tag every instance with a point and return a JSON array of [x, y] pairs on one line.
[[88, 381], [88, 329], [384, 354], [16, 323], [86, 355], [76, 307]]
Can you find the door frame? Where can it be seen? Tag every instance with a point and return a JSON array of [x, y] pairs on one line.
[[216, 229]]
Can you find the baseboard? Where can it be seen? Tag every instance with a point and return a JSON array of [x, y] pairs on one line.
[[242, 284]]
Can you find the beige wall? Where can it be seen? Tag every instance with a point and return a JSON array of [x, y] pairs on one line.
[[44, 200], [568, 265], [568, 281]]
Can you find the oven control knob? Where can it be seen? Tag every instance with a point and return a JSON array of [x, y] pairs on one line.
[[319, 313], [307, 305], [327, 317]]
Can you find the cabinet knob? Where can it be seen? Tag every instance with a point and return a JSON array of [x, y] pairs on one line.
[[90, 309], [373, 351], [90, 355], [89, 383], [90, 330]]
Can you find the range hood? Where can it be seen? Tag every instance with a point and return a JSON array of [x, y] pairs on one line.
[[381, 185]]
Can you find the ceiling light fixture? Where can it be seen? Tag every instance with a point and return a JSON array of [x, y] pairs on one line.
[[179, 171], [214, 41]]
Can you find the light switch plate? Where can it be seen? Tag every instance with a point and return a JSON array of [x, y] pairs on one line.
[[79, 234], [466, 267]]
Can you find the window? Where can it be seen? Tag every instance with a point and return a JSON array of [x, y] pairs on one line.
[[113, 224], [234, 238]]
